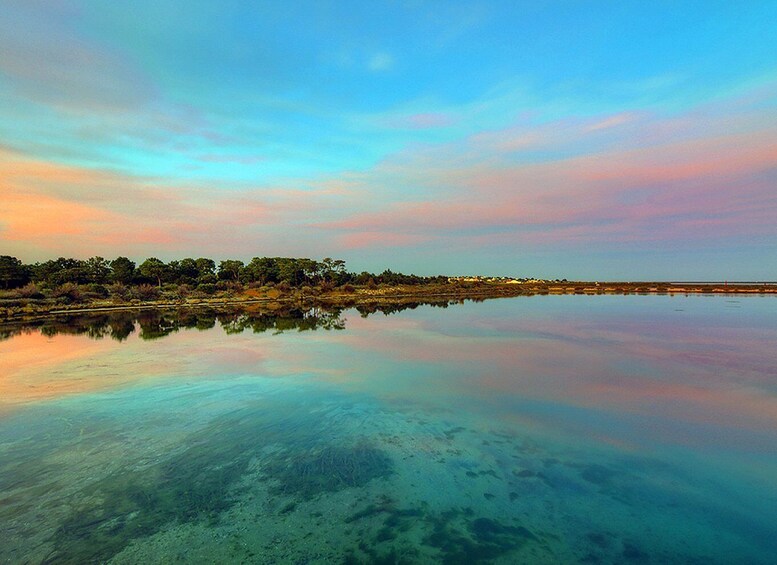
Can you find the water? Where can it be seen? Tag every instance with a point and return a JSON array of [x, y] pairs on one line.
[[545, 429]]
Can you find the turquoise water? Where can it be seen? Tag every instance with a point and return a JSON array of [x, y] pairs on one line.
[[545, 429]]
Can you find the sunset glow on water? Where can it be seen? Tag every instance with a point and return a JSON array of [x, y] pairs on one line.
[[610, 429]]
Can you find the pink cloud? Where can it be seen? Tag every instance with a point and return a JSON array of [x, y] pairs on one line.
[[59, 209], [704, 181], [380, 239], [611, 121], [625, 178]]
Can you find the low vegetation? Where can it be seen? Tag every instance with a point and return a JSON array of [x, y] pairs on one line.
[[68, 284]]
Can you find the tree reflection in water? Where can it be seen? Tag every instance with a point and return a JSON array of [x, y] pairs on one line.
[[157, 323]]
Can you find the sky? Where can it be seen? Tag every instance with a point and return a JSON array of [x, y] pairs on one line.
[[622, 140]]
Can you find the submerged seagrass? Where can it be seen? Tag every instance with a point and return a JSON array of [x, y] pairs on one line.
[[545, 429]]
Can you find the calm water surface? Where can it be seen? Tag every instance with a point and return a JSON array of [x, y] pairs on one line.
[[555, 429]]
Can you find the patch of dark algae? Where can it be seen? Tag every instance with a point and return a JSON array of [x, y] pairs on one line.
[[192, 486], [452, 537], [328, 469], [204, 480], [483, 540]]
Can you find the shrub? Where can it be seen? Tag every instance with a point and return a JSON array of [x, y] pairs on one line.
[[229, 286], [273, 293], [207, 288], [95, 290], [348, 288], [309, 291], [67, 293], [146, 292], [29, 290], [118, 290]]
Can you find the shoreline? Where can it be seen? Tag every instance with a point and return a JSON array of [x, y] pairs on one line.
[[26, 308]]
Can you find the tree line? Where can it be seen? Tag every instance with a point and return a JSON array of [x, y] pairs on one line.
[[201, 273]]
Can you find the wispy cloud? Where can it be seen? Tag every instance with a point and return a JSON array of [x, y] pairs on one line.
[[612, 121], [381, 61], [161, 127], [628, 177], [49, 209], [236, 159], [423, 120], [65, 69]]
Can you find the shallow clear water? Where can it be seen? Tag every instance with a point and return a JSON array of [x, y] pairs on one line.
[[547, 429]]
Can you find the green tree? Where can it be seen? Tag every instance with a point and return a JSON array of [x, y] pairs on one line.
[[289, 270], [230, 269], [122, 270], [363, 278], [308, 268], [60, 271], [173, 274], [205, 267], [98, 270], [333, 270], [12, 273], [262, 270], [153, 268], [188, 273]]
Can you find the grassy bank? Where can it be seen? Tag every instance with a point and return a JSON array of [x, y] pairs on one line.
[[14, 305]]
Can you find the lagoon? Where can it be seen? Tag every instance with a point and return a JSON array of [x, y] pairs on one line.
[[542, 429]]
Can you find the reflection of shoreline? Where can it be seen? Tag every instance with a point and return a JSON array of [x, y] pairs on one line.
[[32, 309], [154, 323]]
